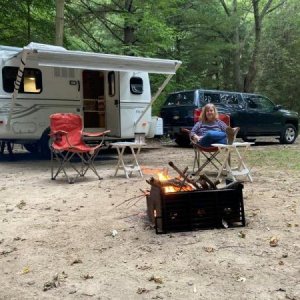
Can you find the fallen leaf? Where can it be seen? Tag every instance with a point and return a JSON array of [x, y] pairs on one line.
[[87, 276], [25, 270], [21, 204], [241, 279], [242, 234], [156, 279], [209, 249], [76, 261], [274, 241], [142, 290]]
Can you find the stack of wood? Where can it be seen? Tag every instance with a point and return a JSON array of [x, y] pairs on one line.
[[186, 182]]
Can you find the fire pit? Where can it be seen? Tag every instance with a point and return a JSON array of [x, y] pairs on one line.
[[185, 205]]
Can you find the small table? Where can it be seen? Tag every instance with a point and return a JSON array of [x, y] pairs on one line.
[[133, 166], [228, 151]]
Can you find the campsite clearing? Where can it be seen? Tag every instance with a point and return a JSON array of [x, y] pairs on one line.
[[84, 241]]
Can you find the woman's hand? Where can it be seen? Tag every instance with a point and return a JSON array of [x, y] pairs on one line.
[[196, 138]]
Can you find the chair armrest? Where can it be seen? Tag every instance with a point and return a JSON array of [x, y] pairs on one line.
[[57, 136], [54, 133], [91, 134]]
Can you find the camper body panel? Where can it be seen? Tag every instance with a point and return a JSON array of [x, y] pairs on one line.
[[62, 91], [30, 117], [133, 105], [109, 91]]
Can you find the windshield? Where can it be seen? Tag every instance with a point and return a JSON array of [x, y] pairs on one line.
[[183, 98]]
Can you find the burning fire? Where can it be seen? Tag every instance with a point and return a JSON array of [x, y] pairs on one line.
[[162, 177], [170, 185]]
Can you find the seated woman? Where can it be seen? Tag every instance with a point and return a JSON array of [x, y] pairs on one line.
[[209, 129]]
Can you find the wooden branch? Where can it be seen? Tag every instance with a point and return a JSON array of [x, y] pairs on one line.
[[207, 179], [192, 182], [231, 185]]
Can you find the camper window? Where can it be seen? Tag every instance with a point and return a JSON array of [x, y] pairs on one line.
[[136, 85], [111, 83], [31, 82]]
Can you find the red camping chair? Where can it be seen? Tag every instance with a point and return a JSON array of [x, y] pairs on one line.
[[67, 143], [208, 154]]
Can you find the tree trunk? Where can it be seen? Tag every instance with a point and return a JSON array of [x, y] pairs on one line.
[[129, 36], [59, 22], [237, 51], [252, 69], [28, 2]]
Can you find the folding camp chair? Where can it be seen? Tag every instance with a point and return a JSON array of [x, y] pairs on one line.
[[68, 144], [209, 154]]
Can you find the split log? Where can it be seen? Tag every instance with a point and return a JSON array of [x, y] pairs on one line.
[[189, 180], [232, 185], [204, 184], [170, 182], [205, 178]]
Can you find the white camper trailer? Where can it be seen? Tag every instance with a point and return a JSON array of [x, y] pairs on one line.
[[108, 91]]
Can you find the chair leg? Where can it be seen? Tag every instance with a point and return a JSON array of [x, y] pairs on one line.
[[87, 162], [210, 159], [63, 160], [196, 160]]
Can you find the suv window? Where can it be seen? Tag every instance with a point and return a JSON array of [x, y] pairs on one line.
[[212, 98], [184, 98], [259, 103], [230, 99]]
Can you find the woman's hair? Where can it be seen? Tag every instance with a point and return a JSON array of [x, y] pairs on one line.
[[205, 109]]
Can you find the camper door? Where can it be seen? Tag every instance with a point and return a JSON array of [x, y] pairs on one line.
[[101, 105], [112, 95]]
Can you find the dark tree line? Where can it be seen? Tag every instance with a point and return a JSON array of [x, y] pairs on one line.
[[242, 45]]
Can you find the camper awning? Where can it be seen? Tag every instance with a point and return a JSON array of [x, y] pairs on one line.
[[53, 56]]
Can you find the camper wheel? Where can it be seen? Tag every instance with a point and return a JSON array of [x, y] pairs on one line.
[[45, 144], [32, 148]]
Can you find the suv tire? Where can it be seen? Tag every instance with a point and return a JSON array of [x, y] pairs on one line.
[[44, 142], [32, 148], [183, 140], [289, 134]]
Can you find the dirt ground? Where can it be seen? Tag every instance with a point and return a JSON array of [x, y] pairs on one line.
[[82, 241]]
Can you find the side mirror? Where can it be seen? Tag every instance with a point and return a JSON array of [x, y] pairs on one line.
[[277, 107]]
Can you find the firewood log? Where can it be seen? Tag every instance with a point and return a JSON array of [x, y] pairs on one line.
[[193, 182]]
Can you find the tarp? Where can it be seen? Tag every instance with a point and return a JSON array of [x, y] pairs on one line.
[[55, 56]]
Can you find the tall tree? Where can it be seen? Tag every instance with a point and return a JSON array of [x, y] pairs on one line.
[[259, 10], [59, 22], [23, 21]]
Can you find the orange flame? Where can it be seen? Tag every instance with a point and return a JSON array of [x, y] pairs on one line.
[[171, 188], [162, 175]]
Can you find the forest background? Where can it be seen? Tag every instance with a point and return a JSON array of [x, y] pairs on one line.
[[236, 45]]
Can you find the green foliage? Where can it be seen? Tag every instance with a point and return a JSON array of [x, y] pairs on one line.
[[280, 59], [213, 39], [24, 21]]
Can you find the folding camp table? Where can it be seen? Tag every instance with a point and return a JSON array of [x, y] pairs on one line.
[[229, 153], [129, 165]]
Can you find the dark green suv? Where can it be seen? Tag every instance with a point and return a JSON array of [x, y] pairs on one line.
[[256, 115]]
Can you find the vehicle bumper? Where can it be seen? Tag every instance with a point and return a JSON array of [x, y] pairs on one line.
[[174, 131]]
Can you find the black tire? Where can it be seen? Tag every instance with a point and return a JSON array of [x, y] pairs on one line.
[[288, 135], [44, 144], [32, 148], [183, 141], [246, 139]]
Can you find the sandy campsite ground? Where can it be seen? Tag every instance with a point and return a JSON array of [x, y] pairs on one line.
[[82, 241]]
